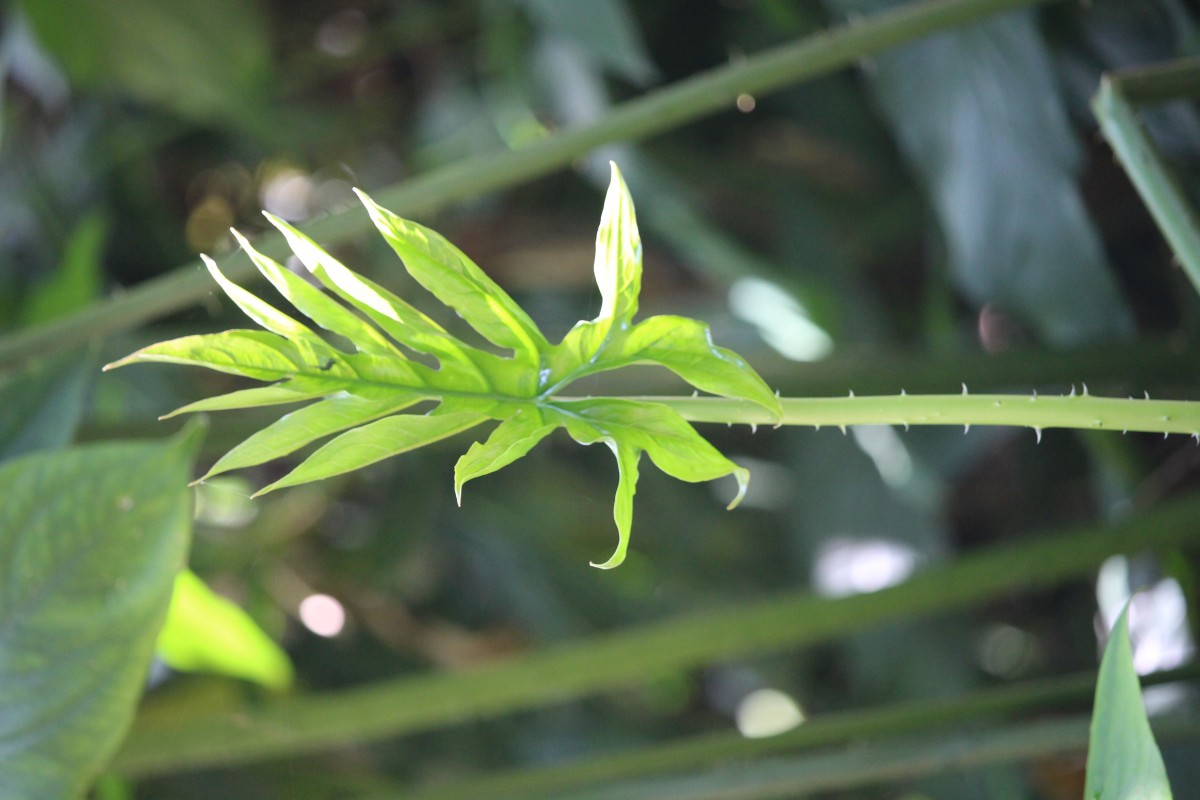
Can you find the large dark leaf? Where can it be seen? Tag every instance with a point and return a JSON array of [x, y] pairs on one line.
[[91, 540], [978, 114]]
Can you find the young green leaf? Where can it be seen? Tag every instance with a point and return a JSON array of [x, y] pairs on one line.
[[258, 397], [672, 444], [252, 354], [1123, 760], [512, 438], [454, 279], [629, 428], [204, 632], [312, 348], [618, 263], [319, 307], [87, 583], [292, 431], [376, 441], [361, 396]]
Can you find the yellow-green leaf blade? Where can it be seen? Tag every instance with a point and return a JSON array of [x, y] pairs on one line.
[[258, 397], [512, 439], [319, 307], [685, 347], [251, 354], [311, 347], [376, 441], [1123, 760], [618, 264], [304, 425], [204, 632], [672, 444], [458, 282]]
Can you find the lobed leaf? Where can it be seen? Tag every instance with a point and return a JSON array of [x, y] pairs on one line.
[[360, 396], [512, 438], [404, 323], [374, 442], [454, 279]]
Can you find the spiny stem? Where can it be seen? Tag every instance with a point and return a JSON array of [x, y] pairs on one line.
[[1032, 411]]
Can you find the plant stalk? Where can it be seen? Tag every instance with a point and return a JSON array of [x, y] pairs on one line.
[[699, 752], [629, 657], [653, 113], [1038, 412], [1142, 160]]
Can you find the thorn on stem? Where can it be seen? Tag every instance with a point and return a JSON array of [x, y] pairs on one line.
[[843, 427], [964, 389], [1085, 390], [1037, 432], [966, 429], [1146, 394], [1072, 394]]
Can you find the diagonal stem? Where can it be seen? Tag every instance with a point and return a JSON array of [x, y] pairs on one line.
[[653, 113]]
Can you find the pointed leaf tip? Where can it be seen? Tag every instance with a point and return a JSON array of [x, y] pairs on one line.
[[742, 476]]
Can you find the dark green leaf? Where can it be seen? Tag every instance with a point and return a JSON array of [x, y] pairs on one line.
[[454, 279], [200, 58], [42, 404], [92, 539], [204, 632], [1123, 760], [979, 113], [76, 280], [604, 29]]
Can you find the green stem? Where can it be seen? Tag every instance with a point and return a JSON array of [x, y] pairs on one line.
[[1031, 411], [878, 763], [622, 658], [653, 113], [860, 726], [1142, 160]]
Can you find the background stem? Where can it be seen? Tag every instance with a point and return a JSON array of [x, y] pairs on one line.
[[653, 113]]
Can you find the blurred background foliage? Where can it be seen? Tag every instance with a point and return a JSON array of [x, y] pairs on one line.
[[943, 213]]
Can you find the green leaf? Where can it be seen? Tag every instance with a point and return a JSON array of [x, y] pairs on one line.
[[312, 348], [204, 632], [397, 318], [92, 539], [374, 442], [454, 279], [512, 438], [76, 280], [618, 263], [257, 397], [1123, 760], [304, 425], [980, 114], [630, 427], [319, 307], [360, 396], [199, 58], [43, 403], [252, 354]]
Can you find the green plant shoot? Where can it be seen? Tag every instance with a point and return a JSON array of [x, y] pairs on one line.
[[365, 399]]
